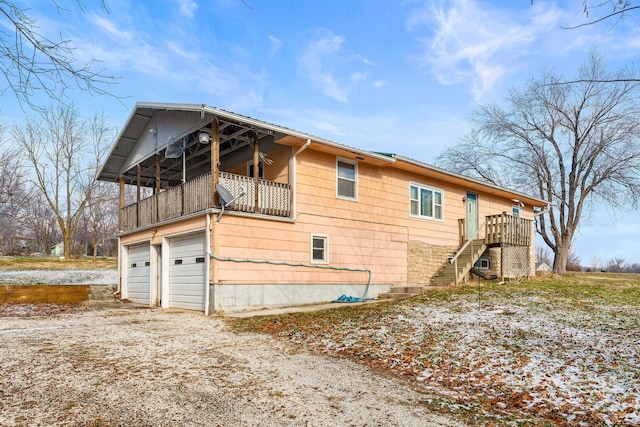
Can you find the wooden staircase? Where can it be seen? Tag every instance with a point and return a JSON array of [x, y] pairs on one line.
[[461, 263]]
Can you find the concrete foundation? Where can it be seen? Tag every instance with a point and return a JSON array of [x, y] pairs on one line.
[[230, 298]]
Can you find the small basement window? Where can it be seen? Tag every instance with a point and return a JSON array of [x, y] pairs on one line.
[[482, 264], [319, 249]]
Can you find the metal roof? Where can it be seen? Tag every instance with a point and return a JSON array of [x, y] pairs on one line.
[[141, 117]]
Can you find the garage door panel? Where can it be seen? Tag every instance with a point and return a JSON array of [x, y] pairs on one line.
[[139, 274], [187, 272]]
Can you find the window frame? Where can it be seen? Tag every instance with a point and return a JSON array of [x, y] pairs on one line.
[[516, 210], [434, 205], [325, 248], [261, 167], [355, 180], [480, 261]]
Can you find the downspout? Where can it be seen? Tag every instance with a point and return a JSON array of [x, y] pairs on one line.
[[118, 289], [207, 289], [293, 174]]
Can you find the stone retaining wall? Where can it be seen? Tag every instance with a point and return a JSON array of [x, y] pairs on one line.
[[424, 261]]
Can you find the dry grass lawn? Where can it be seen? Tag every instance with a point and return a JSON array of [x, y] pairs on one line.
[[55, 263], [554, 351]]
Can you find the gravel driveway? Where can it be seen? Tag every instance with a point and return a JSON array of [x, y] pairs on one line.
[[129, 366]]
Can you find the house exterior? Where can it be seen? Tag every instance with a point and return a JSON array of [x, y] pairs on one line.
[[322, 220]]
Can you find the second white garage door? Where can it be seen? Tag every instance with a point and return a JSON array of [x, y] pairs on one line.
[[187, 272], [138, 274]]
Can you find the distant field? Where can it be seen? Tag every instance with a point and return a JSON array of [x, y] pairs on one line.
[[554, 351], [55, 263]]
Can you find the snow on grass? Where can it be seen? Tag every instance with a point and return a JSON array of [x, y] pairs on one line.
[[55, 277], [565, 355]]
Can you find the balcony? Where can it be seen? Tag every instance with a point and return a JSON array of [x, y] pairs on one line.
[[500, 229], [273, 199]]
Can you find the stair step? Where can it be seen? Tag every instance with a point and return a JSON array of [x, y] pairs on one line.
[[406, 289], [397, 295]]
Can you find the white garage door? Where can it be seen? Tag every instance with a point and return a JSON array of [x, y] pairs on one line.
[[187, 272], [139, 274]]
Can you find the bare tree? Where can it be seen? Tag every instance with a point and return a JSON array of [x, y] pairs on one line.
[[616, 265], [573, 261], [60, 146], [13, 192], [102, 207], [41, 223], [596, 263], [32, 63], [542, 255], [573, 145]]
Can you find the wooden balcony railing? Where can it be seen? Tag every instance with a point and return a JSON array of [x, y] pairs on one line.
[[508, 229], [501, 229], [274, 198]]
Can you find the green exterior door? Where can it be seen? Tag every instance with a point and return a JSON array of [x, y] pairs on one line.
[[472, 215]]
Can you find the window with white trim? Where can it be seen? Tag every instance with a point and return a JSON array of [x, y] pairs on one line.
[[319, 249], [515, 210], [483, 264], [346, 179], [426, 202]]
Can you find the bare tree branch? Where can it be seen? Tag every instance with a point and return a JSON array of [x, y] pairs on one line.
[[31, 63], [571, 144]]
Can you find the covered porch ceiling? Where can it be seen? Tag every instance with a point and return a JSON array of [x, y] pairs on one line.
[[150, 131]]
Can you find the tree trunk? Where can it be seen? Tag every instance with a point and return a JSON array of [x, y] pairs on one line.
[[66, 239], [560, 259]]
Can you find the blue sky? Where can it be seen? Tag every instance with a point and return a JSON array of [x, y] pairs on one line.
[[395, 76]]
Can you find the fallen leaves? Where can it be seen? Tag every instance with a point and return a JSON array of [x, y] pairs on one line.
[[554, 358]]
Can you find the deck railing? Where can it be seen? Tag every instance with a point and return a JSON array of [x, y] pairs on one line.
[[274, 199], [501, 228], [508, 229]]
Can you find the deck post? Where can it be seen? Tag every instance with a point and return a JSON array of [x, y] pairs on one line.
[[256, 171], [215, 161], [138, 173], [121, 204], [157, 188]]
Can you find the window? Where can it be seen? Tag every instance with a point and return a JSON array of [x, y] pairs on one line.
[[319, 249], [482, 264], [347, 179], [515, 210], [260, 169], [426, 202]]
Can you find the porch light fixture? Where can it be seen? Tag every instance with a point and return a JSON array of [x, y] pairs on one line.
[[204, 138]]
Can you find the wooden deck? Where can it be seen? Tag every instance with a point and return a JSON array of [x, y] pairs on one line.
[[501, 229], [274, 198]]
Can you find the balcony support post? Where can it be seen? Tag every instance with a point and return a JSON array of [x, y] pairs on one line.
[[256, 171], [157, 188], [215, 161], [121, 204], [138, 173]]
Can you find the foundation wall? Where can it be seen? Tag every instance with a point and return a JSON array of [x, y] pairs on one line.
[[424, 262]]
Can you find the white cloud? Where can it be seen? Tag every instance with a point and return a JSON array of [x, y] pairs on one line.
[[475, 44], [175, 63], [110, 27], [336, 70], [187, 7], [276, 44]]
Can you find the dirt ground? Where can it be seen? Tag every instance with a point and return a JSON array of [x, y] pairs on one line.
[[120, 365]]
